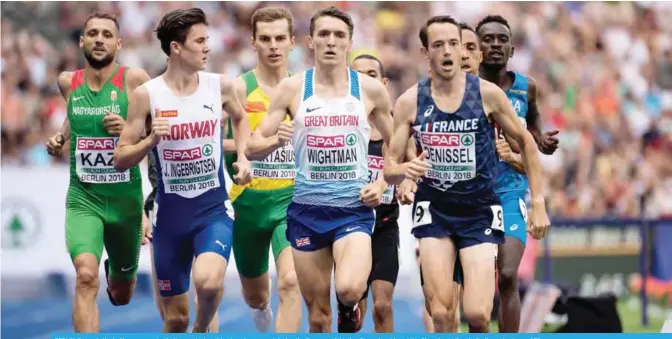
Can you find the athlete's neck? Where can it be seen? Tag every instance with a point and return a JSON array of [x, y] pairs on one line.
[[179, 79], [496, 74], [270, 76], [448, 86], [95, 78], [331, 75]]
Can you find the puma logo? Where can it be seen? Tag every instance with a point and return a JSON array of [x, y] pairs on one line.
[[209, 107]]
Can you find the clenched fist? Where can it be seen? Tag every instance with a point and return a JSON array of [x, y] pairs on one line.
[[55, 144], [417, 167], [285, 132]]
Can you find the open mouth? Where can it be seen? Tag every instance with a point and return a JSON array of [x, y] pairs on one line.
[[331, 53], [99, 49], [466, 67], [496, 54], [447, 63], [274, 56]]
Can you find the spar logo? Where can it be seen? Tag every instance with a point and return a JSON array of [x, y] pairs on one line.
[[446, 139], [325, 142], [375, 162], [97, 144], [182, 154]]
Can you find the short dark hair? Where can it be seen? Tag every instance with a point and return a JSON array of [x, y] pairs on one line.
[[464, 25], [437, 19], [334, 13], [381, 69], [493, 18], [270, 14], [175, 26], [102, 15]]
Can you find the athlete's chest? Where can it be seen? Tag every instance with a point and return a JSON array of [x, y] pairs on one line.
[[316, 113], [85, 105], [194, 119]]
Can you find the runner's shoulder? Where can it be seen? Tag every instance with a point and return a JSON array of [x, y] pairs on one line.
[[135, 77]]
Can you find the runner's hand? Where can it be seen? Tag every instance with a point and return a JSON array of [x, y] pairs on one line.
[[406, 192], [243, 174], [285, 132], [55, 144], [160, 128], [538, 222], [371, 194], [417, 167], [113, 123], [146, 230]]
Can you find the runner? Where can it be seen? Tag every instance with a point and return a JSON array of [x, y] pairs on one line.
[[495, 36], [149, 206], [261, 205], [330, 218], [456, 207], [385, 239], [103, 208], [471, 58], [190, 218]]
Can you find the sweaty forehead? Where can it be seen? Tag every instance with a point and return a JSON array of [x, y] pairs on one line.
[[442, 31], [493, 28]]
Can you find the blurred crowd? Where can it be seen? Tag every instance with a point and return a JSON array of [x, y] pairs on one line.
[[604, 71]]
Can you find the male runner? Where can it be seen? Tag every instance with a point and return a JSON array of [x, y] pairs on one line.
[[451, 115], [495, 36], [103, 207], [190, 218], [385, 238], [149, 207], [471, 58], [330, 218], [261, 205]]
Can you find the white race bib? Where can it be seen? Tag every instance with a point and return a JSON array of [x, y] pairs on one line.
[[93, 161]]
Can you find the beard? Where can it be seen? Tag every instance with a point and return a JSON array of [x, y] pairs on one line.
[[98, 64]]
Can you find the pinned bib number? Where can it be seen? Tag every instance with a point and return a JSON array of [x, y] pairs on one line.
[[421, 215], [497, 218]]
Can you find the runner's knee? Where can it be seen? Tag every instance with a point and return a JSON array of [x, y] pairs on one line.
[[208, 285], [350, 292], [87, 273], [319, 316], [382, 309], [478, 315], [122, 291], [176, 320], [508, 277], [257, 299], [442, 316], [288, 285]]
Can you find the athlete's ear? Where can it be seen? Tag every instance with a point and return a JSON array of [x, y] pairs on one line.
[[119, 44], [311, 45], [175, 47], [425, 52], [81, 41], [512, 49], [386, 81], [480, 57], [293, 40], [252, 41]]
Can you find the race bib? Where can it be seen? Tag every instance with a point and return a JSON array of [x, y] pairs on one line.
[[332, 158], [277, 165], [190, 172], [93, 161], [452, 156], [375, 164]]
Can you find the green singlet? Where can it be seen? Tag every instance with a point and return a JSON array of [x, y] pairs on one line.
[[103, 206]]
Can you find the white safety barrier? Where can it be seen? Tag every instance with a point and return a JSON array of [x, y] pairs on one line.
[[33, 217]]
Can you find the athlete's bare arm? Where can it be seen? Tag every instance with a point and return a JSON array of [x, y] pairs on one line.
[[405, 111], [547, 142], [269, 135], [56, 142], [499, 108], [239, 122], [132, 147], [230, 144], [512, 158]]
